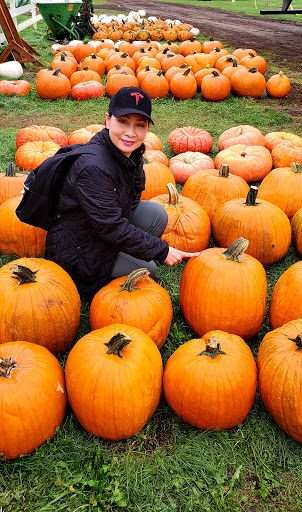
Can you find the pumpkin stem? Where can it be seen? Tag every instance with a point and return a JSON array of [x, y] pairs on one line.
[[173, 194], [6, 366], [212, 348], [251, 196], [215, 73], [253, 70], [296, 167], [236, 249], [117, 343], [23, 274], [298, 341], [131, 280], [223, 171], [56, 72], [10, 169]]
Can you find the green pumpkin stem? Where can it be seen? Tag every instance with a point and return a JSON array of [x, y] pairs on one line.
[[224, 171], [131, 280], [251, 196], [215, 73], [117, 343], [212, 348], [236, 249], [253, 70], [23, 274], [10, 169], [6, 366], [296, 167], [56, 72]]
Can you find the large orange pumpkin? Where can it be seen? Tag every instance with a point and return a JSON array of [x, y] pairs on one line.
[[283, 187], [273, 138], [11, 183], [41, 133], [31, 154], [33, 398], [285, 154], [296, 225], [212, 188], [265, 226], [231, 279], [248, 82], [279, 370], [190, 138], [135, 300], [83, 135], [52, 85], [188, 227], [39, 303], [16, 237], [286, 299], [211, 382], [114, 380], [252, 163], [242, 134]]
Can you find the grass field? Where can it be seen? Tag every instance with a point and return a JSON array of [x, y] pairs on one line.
[[168, 465]]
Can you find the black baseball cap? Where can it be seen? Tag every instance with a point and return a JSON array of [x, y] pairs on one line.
[[130, 100]]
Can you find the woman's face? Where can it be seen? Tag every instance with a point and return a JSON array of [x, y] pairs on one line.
[[127, 133]]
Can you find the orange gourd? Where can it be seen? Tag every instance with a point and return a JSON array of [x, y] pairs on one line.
[[157, 178], [11, 183], [31, 154], [252, 163], [286, 299], [185, 164]]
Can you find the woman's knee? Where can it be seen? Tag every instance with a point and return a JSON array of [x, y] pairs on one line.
[[151, 217]]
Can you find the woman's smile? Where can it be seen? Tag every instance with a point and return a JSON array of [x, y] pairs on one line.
[[127, 133]]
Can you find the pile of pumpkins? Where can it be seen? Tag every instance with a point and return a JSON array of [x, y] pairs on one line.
[[180, 69], [114, 374]]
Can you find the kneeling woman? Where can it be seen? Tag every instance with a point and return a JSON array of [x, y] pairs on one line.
[[103, 230]]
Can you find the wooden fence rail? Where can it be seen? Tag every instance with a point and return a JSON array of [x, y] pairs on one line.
[[15, 11]]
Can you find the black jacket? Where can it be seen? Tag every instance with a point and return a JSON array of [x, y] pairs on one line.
[[95, 203]]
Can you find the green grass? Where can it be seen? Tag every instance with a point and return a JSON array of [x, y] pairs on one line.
[[168, 465]]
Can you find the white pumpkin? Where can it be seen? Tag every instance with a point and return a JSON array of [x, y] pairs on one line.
[[195, 31], [142, 13], [11, 69]]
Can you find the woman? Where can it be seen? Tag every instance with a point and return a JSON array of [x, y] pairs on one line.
[[103, 230]]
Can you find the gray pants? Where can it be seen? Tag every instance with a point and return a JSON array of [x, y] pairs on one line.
[[150, 217]]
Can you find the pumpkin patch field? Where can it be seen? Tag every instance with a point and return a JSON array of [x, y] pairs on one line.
[[182, 394]]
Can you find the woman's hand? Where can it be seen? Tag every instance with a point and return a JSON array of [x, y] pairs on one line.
[[175, 256]]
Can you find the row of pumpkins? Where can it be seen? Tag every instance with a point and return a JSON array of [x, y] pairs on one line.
[[120, 358], [159, 69]]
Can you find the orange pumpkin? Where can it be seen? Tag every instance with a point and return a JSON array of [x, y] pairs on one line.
[[17, 87], [188, 227], [190, 138], [248, 82], [212, 188], [67, 65], [155, 85], [286, 153], [156, 155], [39, 302], [198, 383], [41, 133], [209, 45], [33, 398], [94, 63], [183, 85], [152, 141], [135, 300], [16, 237], [84, 75], [286, 299], [279, 373], [230, 278], [278, 85], [274, 138], [254, 61], [188, 47], [215, 87], [83, 135], [296, 225], [283, 187], [83, 50], [114, 380], [31, 154], [11, 183], [265, 225], [52, 85], [252, 163], [117, 81], [157, 178]]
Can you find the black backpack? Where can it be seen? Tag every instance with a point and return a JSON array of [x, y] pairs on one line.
[[43, 184]]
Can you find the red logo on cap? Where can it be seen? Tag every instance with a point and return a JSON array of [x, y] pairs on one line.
[[137, 95]]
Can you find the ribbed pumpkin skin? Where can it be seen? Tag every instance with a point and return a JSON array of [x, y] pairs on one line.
[[113, 397], [11, 186], [216, 293], [83, 135], [16, 237], [41, 133], [211, 393], [211, 190], [188, 227], [148, 307], [283, 187], [286, 299], [279, 371], [252, 163], [46, 312], [274, 138], [31, 154], [296, 225], [33, 398], [242, 134], [185, 164], [157, 178], [265, 226], [190, 138], [285, 154]]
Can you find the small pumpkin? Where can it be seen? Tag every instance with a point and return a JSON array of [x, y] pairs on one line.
[[152, 141], [185, 164], [87, 90], [114, 380], [278, 85], [33, 397], [117, 81], [135, 300], [17, 87], [274, 138], [199, 383], [85, 75]]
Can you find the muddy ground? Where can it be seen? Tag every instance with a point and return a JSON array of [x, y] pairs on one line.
[[281, 38]]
